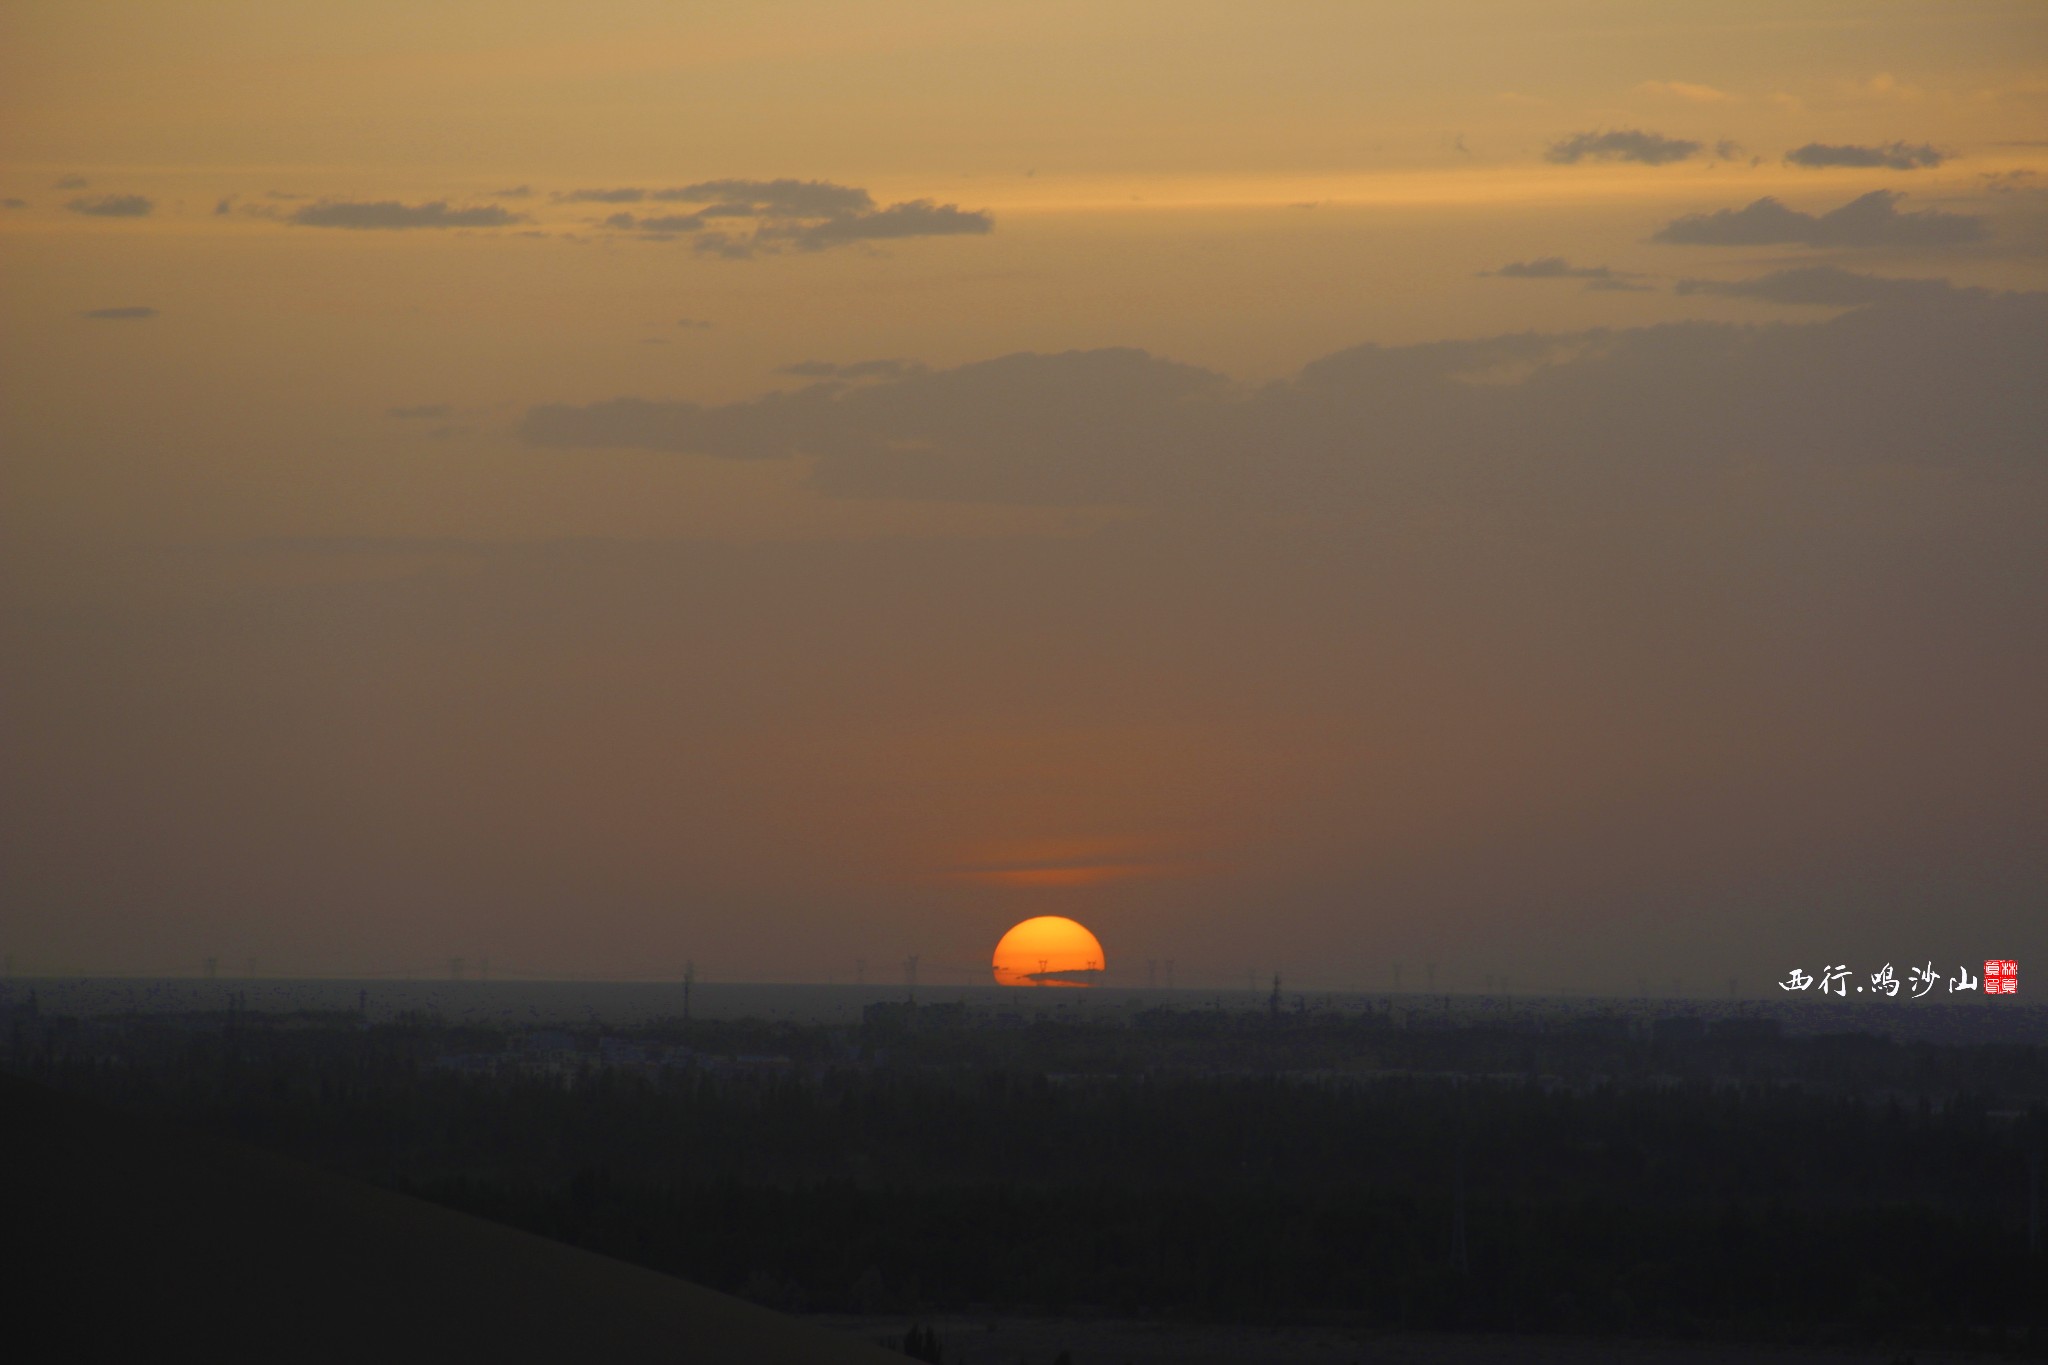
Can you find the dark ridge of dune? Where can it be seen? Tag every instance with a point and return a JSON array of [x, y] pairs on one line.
[[127, 1234]]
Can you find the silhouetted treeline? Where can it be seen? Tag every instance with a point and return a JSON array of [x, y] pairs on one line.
[[1744, 1187]]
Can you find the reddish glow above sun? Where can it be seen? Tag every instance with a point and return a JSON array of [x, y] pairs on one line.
[[1050, 950]]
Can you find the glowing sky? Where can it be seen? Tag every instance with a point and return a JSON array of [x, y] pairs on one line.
[[1544, 489]]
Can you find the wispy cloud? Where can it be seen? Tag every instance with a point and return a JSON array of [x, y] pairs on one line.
[[1622, 144], [664, 223], [786, 214], [918, 218], [1598, 278], [1896, 156], [130, 313], [859, 369], [2012, 182], [625, 195], [777, 198], [1827, 286], [1551, 268], [112, 206], [390, 214], [738, 198], [1917, 370], [1870, 220]]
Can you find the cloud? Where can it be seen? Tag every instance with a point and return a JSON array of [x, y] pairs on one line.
[[112, 206], [1686, 90], [2011, 182], [1896, 156], [731, 246], [1623, 144], [1869, 220], [421, 412], [514, 192], [390, 214], [1550, 268], [795, 215], [70, 182], [1825, 286], [860, 369], [224, 206], [777, 198], [696, 324], [784, 198], [1933, 375], [918, 218], [615, 196], [1598, 278], [13, 203], [665, 224], [881, 369], [131, 313], [923, 434]]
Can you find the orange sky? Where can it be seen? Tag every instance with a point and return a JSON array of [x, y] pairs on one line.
[[778, 484]]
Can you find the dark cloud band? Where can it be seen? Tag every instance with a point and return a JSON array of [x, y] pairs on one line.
[[389, 214], [1873, 220], [1622, 144], [1917, 372], [112, 206], [1895, 156]]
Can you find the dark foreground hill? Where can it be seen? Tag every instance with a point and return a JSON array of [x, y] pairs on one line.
[[126, 1233]]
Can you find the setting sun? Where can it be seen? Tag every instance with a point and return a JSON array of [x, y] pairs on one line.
[[1049, 950]]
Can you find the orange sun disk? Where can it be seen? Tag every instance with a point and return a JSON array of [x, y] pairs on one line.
[[1050, 950]]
